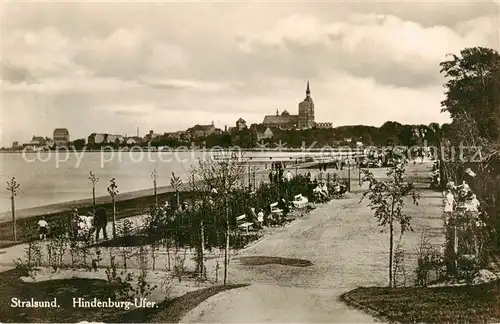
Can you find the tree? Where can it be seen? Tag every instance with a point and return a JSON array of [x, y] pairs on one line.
[[79, 144], [387, 201], [93, 179], [176, 183], [113, 191], [473, 88], [154, 176], [12, 186], [221, 179]]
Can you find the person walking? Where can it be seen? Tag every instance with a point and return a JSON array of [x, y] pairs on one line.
[[449, 204], [100, 223], [75, 222], [43, 228]]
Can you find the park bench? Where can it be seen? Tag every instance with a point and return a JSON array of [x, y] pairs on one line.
[[242, 223], [275, 210]]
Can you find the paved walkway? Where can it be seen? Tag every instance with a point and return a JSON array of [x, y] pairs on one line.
[[343, 241]]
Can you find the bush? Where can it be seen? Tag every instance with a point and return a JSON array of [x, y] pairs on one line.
[[429, 262], [25, 268], [467, 269]]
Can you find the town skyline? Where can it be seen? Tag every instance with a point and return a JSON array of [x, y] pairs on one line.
[[91, 68]]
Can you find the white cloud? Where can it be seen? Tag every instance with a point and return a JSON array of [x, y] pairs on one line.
[[107, 67], [364, 43], [44, 52]]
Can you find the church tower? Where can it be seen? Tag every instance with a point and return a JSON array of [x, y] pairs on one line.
[[306, 111]]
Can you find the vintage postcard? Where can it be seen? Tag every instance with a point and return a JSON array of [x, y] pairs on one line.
[[250, 162]]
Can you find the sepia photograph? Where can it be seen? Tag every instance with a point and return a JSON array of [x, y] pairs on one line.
[[249, 161]]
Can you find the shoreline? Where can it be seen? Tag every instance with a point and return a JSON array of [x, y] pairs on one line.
[[66, 206], [129, 204], [206, 149]]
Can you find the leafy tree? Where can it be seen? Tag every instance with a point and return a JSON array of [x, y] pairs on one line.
[[221, 179], [473, 88], [387, 199], [79, 144]]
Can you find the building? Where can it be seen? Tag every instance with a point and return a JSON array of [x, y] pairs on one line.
[[96, 139], [61, 137], [306, 111], [115, 139], [324, 125], [283, 121], [151, 135], [102, 138], [198, 131], [179, 135], [241, 124], [134, 140], [304, 120], [37, 143], [267, 133]]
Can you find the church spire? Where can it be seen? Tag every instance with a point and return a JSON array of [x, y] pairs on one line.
[[308, 91]]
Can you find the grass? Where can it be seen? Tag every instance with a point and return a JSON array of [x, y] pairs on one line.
[[265, 260], [466, 304], [170, 311], [12, 286]]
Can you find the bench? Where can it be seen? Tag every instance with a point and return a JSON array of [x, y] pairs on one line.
[[242, 223], [275, 210]]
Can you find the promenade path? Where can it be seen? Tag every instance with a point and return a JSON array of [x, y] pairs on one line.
[[344, 244], [347, 250]]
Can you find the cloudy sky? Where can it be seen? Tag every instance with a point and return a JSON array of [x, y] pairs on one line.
[[115, 66]]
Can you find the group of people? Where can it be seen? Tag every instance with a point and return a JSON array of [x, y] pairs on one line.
[[321, 190], [460, 197], [96, 220], [435, 178], [278, 174]]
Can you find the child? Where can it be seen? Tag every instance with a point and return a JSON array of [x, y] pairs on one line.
[[43, 228]]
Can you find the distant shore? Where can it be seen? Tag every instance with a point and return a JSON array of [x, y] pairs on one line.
[[207, 149], [66, 206]]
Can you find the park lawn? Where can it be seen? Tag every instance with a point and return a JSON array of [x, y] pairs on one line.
[[465, 304], [170, 311], [12, 286]]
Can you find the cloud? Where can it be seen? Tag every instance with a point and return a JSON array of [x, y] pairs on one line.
[[385, 47], [104, 67], [16, 75], [129, 53]]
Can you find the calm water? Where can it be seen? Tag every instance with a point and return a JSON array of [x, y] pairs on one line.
[[46, 178]]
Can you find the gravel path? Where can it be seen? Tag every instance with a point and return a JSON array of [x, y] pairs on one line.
[[344, 243]]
